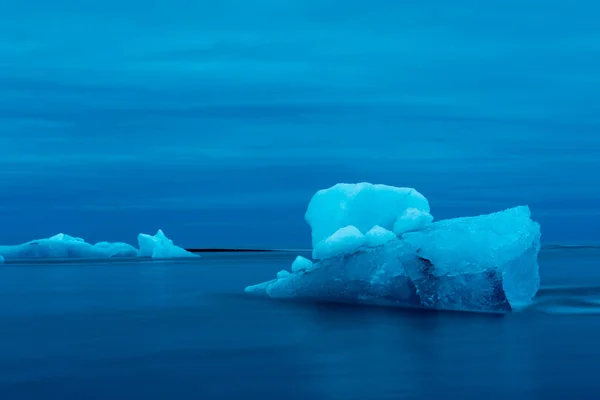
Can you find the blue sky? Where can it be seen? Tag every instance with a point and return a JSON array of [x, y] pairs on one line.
[[217, 121]]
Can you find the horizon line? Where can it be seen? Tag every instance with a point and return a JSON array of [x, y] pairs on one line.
[[288, 250]]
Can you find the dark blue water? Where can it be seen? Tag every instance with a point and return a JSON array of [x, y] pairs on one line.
[[173, 330]]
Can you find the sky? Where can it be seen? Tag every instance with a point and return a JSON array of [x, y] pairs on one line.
[[217, 121]]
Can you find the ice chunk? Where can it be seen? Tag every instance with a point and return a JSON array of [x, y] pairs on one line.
[[370, 275], [65, 246], [362, 205], [505, 243], [301, 263], [283, 274], [259, 289], [378, 236], [486, 263], [160, 246], [411, 220], [344, 240]]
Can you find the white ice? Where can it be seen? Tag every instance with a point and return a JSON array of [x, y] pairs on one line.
[[301, 264], [362, 205], [344, 240], [378, 236], [160, 246]]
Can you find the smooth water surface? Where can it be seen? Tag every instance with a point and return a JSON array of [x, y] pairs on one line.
[[185, 329]]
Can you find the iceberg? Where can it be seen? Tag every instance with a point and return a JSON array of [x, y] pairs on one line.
[[65, 246], [62, 246], [160, 246], [485, 263]]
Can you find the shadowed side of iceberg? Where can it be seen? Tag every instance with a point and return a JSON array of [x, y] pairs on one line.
[[367, 274], [486, 254]]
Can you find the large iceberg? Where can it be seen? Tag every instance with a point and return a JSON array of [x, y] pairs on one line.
[[485, 263], [63, 246]]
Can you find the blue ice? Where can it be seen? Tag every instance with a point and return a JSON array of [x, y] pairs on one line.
[[63, 246], [301, 263], [484, 263], [364, 206], [160, 246]]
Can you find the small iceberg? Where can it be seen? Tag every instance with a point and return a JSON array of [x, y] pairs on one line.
[[62, 246], [160, 246]]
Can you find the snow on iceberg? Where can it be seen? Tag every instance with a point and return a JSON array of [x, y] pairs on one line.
[[378, 236], [485, 263], [160, 246], [412, 219], [65, 246], [362, 205]]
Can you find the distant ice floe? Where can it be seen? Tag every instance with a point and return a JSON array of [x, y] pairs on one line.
[[63, 246]]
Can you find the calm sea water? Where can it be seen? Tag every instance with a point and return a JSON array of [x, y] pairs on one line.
[[174, 330]]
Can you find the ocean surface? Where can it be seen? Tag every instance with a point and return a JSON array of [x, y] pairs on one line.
[[186, 330]]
